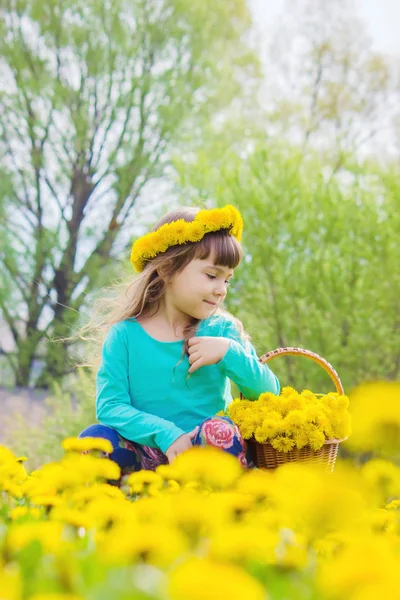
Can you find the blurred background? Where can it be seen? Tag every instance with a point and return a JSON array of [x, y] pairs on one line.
[[112, 112]]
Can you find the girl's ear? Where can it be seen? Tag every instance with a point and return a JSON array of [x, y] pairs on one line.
[[163, 276]]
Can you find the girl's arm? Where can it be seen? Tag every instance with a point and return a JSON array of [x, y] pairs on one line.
[[242, 365], [113, 401]]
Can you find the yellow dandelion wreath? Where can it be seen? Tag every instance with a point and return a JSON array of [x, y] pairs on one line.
[[182, 232]]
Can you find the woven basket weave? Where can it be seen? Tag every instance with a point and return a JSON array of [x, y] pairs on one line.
[[265, 456]]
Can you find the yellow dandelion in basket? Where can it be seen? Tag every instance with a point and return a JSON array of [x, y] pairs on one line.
[[270, 427], [282, 443], [294, 420], [300, 439], [248, 427], [316, 439]]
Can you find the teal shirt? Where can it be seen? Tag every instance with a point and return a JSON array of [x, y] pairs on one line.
[[143, 388]]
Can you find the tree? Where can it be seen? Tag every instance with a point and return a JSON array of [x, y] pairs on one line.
[[324, 84], [95, 97]]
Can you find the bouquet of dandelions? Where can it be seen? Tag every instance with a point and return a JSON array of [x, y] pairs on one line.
[[292, 420]]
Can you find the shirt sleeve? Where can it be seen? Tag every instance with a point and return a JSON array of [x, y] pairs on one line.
[[242, 365], [113, 401]]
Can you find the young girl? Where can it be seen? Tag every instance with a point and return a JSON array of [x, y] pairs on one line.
[[170, 352]]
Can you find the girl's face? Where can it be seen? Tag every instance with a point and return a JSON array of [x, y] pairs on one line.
[[199, 288]]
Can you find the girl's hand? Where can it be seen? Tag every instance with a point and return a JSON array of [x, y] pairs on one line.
[[206, 351], [184, 442]]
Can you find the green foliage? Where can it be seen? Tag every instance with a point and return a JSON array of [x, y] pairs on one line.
[[68, 412], [321, 260]]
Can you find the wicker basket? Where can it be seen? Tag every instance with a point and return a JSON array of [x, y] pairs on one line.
[[266, 457]]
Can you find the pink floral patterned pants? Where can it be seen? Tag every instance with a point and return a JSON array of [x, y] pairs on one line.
[[219, 432]]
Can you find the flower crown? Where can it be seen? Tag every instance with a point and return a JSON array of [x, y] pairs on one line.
[[181, 232]]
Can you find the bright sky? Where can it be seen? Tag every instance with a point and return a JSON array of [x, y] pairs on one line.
[[382, 18]]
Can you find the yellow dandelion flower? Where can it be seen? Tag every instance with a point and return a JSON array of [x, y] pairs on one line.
[[249, 544], [383, 475], [329, 432], [107, 511], [11, 489], [191, 581], [47, 500], [300, 439], [173, 486], [238, 413], [82, 496], [141, 479], [343, 402], [156, 544], [295, 402], [274, 415], [295, 420], [19, 512], [268, 428], [49, 534], [75, 444], [195, 231], [247, 428], [284, 406], [330, 400], [311, 413], [11, 582], [308, 394], [208, 465], [342, 426], [74, 517], [267, 397], [214, 219], [259, 435], [145, 245], [167, 472], [316, 439], [282, 443], [270, 401], [55, 596], [87, 468], [258, 483], [237, 228], [288, 391]]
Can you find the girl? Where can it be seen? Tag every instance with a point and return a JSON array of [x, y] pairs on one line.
[[171, 350]]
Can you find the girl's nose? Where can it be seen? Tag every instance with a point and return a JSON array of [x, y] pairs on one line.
[[220, 289]]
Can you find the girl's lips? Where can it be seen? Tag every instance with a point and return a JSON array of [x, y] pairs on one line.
[[211, 303]]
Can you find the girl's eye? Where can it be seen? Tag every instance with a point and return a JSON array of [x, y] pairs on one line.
[[227, 282]]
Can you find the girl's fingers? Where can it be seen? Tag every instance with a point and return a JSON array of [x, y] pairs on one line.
[[193, 348], [192, 434], [196, 365], [195, 356]]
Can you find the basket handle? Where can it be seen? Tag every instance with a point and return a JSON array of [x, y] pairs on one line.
[[308, 354]]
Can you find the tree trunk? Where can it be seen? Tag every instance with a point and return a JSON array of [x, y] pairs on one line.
[[57, 363], [26, 351]]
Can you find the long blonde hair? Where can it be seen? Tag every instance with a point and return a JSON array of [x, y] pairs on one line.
[[141, 297]]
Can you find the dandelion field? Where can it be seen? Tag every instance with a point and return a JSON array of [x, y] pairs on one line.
[[203, 528]]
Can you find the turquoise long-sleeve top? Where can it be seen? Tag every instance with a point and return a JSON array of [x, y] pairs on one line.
[[144, 392]]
